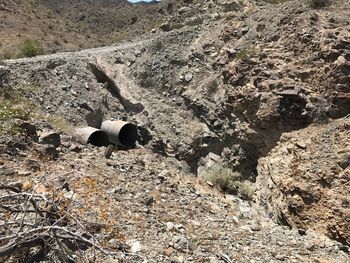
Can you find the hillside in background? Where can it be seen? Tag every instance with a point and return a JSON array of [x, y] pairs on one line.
[[71, 25]]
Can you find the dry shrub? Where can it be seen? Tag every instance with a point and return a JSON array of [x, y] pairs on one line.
[[31, 48], [229, 181]]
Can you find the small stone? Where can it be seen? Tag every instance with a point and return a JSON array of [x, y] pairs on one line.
[[310, 246], [210, 183], [215, 16], [188, 77], [245, 30], [109, 150], [136, 247], [113, 243], [169, 149], [180, 259], [181, 243], [169, 251], [51, 138], [23, 173], [22, 154], [231, 52], [149, 201], [301, 145], [110, 163], [280, 257], [66, 87], [255, 228], [26, 186], [170, 226]]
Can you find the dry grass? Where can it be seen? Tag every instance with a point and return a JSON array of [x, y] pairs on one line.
[[60, 124], [229, 181], [30, 48], [13, 106]]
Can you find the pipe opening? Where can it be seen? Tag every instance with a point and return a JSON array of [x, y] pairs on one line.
[[98, 138], [128, 135]]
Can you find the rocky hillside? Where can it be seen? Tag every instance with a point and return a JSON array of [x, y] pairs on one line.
[[305, 179], [243, 112]]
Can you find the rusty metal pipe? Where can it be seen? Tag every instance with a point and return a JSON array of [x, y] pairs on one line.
[[90, 135], [120, 133]]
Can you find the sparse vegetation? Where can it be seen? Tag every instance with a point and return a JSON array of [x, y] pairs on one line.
[[13, 106], [320, 111], [245, 53], [31, 48], [229, 181], [60, 124], [7, 53]]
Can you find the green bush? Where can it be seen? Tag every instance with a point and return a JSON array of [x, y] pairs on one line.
[[31, 48], [229, 181]]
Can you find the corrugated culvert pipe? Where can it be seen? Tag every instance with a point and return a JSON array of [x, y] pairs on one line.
[[120, 133], [90, 135]]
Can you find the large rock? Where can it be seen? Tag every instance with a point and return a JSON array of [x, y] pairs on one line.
[[52, 138], [305, 180]]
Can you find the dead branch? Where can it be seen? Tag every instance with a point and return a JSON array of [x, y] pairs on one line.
[[36, 225]]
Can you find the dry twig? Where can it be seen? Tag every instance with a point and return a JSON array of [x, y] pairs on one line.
[[35, 225]]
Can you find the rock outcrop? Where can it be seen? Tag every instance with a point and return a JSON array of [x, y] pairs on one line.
[[305, 180]]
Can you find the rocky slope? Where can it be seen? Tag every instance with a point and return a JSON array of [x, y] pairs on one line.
[[219, 84], [305, 179]]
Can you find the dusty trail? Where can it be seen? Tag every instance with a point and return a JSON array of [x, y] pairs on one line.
[[81, 54]]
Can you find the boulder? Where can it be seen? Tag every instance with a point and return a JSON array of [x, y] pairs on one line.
[[51, 138]]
